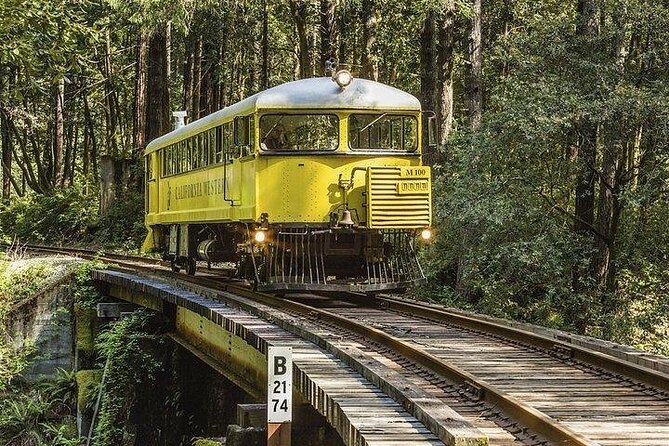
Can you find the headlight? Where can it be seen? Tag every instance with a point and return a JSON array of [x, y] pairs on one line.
[[426, 234], [343, 78], [260, 236]]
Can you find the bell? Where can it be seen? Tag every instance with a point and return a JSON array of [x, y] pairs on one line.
[[346, 219]]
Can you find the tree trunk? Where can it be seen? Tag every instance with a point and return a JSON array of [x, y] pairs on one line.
[[208, 68], [139, 108], [6, 81], [197, 79], [58, 134], [474, 71], [6, 136], [264, 70], [158, 107], [110, 106], [70, 140], [370, 22], [327, 32], [445, 48], [91, 152], [188, 76], [618, 170], [608, 218], [168, 53], [586, 131], [107, 183], [299, 11], [428, 74]]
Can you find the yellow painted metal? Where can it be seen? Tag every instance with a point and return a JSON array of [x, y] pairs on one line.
[[306, 188], [302, 188], [242, 361], [143, 300], [399, 197]]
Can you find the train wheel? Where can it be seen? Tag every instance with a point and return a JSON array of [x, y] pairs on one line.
[[191, 266]]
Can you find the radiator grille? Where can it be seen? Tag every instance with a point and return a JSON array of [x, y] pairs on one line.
[[399, 197]]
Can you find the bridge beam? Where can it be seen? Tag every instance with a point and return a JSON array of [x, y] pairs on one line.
[[235, 342]]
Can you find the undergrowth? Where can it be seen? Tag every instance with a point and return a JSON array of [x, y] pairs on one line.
[[71, 217]]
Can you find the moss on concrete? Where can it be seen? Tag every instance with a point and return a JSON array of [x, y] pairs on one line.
[[207, 442], [85, 325], [87, 382]]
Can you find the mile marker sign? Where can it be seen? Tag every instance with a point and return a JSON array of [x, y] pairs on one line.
[[279, 384]]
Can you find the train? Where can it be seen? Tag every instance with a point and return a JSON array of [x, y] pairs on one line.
[[312, 185]]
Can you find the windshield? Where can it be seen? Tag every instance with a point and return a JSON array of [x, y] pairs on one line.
[[282, 132], [382, 132]]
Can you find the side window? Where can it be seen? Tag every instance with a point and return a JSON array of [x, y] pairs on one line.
[[149, 167], [171, 160], [167, 161], [252, 135], [190, 143], [220, 146], [192, 155], [228, 140], [182, 157], [211, 153], [242, 130], [199, 156], [204, 148]]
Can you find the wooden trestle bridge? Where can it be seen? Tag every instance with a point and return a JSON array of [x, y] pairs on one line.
[[388, 371]]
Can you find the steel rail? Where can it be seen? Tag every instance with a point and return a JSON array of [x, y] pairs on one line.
[[532, 418], [610, 363], [523, 413]]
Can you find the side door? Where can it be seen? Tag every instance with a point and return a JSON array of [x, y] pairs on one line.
[[151, 193], [231, 175], [238, 156]]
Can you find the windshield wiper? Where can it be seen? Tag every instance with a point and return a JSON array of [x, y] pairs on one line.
[[373, 122], [273, 127]]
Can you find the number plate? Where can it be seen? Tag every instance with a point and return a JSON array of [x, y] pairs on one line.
[[413, 187], [415, 172], [279, 384]]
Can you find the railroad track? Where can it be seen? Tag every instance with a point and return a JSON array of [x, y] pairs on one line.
[[516, 386]]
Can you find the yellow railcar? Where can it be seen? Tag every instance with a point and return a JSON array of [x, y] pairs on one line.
[[315, 184]]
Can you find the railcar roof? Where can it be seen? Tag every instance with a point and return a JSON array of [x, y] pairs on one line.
[[320, 92]]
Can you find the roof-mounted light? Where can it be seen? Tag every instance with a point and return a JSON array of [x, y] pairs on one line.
[[343, 78]]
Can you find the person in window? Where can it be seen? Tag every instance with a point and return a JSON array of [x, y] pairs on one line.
[[277, 140]]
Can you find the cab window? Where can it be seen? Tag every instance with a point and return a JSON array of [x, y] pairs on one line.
[[306, 132], [383, 132]]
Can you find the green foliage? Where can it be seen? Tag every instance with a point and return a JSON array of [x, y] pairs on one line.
[[12, 361], [133, 355], [19, 280], [86, 296], [504, 198], [88, 385], [122, 226], [496, 242], [41, 414], [206, 442], [23, 279], [71, 215], [53, 218]]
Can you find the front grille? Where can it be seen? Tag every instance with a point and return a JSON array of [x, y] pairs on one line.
[[399, 197]]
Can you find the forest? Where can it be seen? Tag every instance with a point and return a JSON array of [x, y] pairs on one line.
[[551, 174]]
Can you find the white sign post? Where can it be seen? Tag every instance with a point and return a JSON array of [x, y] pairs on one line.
[[279, 395]]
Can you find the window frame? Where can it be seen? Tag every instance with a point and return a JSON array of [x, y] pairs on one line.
[[377, 150], [236, 131], [293, 151]]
